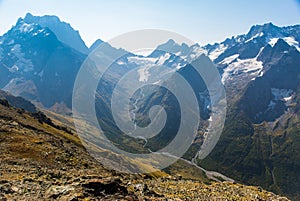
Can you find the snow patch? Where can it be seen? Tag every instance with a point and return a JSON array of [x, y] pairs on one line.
[[146, 63], [230, 59], [141, 60], [250, 66], [271, 105], [289, 40], [14, 69], [273, 41], [217, 52], [144, 73], [26, 28], [22, 63], [282, 94], [11, 42], [285, 95], [254, 37], [292, 42], [121, 63], [163, 58], [41, 73]]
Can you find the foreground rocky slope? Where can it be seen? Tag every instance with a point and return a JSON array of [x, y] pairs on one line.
[[43, 161]]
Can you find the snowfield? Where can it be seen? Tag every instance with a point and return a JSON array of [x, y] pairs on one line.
[[250, 66]]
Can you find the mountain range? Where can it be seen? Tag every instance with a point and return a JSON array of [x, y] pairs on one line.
[[41, 56]]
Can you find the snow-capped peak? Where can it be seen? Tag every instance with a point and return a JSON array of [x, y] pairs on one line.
[[257, 37], [184, 51], [63, 31]]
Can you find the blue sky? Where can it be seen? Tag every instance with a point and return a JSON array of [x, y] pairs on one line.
[[203, 21]]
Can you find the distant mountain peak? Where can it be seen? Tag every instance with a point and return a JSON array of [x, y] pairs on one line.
[[95, 44], [63, 31], [173, 46], [30, 17], [183, 50], [171, 42], [268, 29], [266, 26]]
